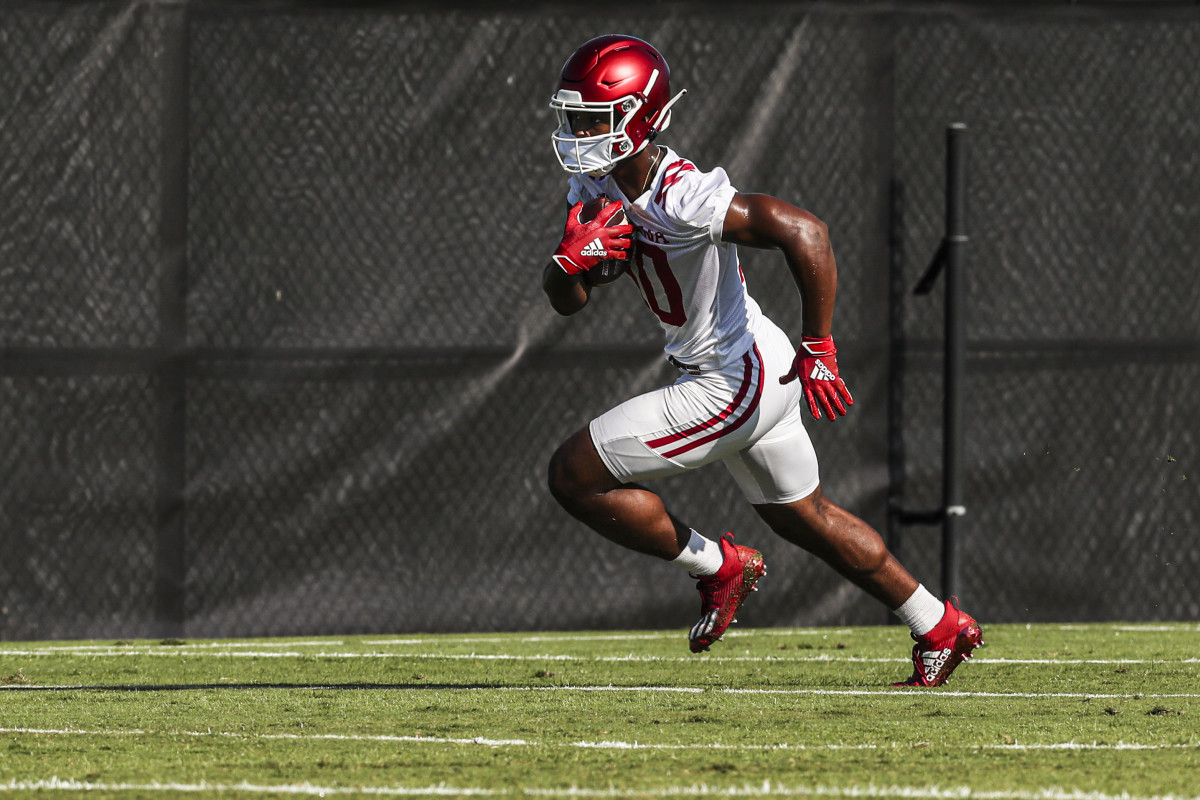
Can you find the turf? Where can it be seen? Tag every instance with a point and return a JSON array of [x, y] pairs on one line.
[[1048, 711]]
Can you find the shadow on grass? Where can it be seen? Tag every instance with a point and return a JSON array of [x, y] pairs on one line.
[[189, 687]]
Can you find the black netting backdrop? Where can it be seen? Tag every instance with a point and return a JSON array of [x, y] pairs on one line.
[[276, 359]]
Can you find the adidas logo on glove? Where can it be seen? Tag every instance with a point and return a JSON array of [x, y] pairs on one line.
[[821, 372], [594, 249]]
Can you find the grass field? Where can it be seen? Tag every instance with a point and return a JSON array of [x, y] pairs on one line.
[[1070, 712]]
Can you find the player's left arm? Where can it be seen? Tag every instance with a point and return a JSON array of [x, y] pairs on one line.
[[563, 278], [568, 294], [762, 221]]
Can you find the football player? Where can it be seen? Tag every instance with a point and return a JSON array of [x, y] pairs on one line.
[[741, 381]]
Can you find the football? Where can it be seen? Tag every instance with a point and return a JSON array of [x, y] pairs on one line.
[[610, 269]]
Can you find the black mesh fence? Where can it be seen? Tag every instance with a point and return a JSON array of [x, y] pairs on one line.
[[276, 359], [1081, 280]]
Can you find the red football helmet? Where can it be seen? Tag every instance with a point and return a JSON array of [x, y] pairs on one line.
[[621, 77]]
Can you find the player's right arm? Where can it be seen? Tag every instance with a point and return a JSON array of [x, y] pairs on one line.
[[758, 220]]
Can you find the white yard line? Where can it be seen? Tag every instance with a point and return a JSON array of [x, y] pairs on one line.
[[767, 788], [1091, 746], [1150, 628], [744, 633], [31, 687], [882, 692], [57, 784], [541, 638], [584, 745], [478, 740], [604, 637], [211, 650], [143, 645], [772, 789], [939, 693]]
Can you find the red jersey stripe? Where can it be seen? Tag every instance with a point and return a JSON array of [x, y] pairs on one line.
[[671, 175], [748, 384], [720, 417]]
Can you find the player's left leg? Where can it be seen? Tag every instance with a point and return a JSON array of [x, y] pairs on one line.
[[778, 475], [848, 544], [945, 636]]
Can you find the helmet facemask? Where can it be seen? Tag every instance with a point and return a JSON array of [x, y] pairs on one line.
[[627, 134], [594, 155]]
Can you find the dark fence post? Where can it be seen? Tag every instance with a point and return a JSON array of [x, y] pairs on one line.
[[948, 259], [171, 365], [955, 362], [896, 368]]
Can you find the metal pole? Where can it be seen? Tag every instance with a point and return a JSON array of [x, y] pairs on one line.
[[171, 377], [955, 359], [896, 366]]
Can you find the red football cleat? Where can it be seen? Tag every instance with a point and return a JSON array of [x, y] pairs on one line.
[[722, 594], [937, 653]]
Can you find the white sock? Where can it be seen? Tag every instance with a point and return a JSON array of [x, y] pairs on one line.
[[921, 612], [701, 556]]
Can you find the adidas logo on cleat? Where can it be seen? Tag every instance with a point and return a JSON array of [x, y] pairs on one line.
[[594, 249], [937, 654], [934, 662]]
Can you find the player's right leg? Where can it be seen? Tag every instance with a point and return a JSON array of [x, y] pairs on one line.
[[625, 513], [595, 475], [635, 517]]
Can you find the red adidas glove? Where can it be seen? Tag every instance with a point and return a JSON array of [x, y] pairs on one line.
[[586, 244], [815, 365]]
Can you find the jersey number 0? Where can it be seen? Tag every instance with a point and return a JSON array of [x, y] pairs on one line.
[[662, 277]]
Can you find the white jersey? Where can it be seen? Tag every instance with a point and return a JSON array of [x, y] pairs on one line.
[[689, 278]]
